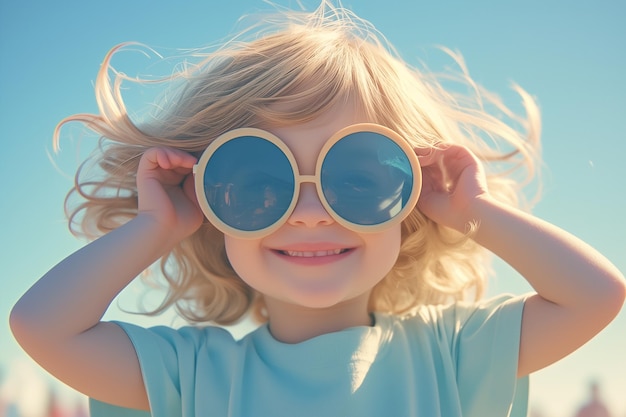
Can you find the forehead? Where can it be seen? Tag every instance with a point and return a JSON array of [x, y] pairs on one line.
[[305, 140]]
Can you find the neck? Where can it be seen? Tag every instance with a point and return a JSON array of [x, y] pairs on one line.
[[293, 324]]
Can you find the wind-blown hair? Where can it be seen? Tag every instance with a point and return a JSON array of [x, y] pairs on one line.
[[313, 60]]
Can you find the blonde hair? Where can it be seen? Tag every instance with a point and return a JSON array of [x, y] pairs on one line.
[[313, 60]]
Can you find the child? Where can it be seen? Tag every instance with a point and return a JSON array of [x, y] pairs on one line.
[[310, 177]]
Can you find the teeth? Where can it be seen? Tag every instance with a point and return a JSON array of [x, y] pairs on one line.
[[312, 254]]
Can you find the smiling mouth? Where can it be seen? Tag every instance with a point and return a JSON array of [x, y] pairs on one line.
[[312, 254]]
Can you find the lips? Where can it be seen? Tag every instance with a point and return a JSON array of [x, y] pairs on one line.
[[312, 253]]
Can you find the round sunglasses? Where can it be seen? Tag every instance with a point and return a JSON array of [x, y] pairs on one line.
[[247, 180]]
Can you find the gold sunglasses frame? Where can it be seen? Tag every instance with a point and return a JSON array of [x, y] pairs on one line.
[[200, 167]]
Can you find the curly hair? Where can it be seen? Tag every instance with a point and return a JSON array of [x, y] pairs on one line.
[[313, 60]]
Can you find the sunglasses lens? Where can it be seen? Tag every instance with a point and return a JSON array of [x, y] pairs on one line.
[[249, 183], [366, 178]]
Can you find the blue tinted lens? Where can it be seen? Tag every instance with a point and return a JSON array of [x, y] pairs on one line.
[[249, 183], [366, 178]]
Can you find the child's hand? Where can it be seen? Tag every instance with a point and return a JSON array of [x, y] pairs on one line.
[[453, 178], [166, 190]]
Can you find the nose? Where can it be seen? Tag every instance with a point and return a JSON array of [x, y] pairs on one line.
[[309, 211]]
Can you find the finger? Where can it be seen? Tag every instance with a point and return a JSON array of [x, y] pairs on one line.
[[167, 158], [431, 156], [170, 158], [189, 188], [427, 159]]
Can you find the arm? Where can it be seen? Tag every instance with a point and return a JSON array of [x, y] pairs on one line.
[[57, 321], [578, 290]]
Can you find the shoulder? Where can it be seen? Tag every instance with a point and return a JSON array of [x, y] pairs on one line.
[[171, 360], [461, 314], [184, 341], [478, 346], [465, 327]]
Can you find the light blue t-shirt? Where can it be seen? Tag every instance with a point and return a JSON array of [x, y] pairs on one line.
[[453, 361]]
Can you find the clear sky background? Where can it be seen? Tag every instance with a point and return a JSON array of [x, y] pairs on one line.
[[571, 55]]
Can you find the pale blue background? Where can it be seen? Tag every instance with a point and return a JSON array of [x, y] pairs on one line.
[[571, 55]]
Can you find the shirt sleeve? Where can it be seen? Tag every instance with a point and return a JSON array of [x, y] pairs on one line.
[[166, 357], [485, 343]]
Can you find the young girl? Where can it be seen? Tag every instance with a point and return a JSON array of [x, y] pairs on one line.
[[311, 178]]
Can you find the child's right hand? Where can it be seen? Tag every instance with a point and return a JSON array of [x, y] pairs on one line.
[[165, 185], [63, 331]]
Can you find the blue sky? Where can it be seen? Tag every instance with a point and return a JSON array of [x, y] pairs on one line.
[[568, 54]]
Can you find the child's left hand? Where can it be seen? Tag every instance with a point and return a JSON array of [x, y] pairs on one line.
[[578, 290], [452, 179]]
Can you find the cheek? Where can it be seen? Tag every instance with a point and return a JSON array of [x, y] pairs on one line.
[[231, 249], [383, 250], [236, 251], [377, 256], [244, 257]]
